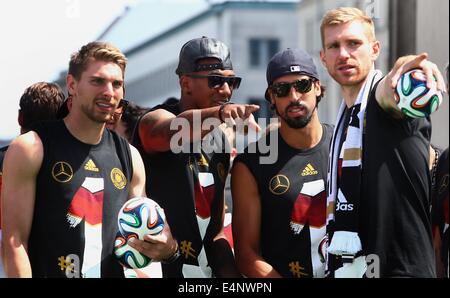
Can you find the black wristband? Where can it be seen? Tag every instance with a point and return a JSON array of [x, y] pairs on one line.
[[173, 257], [221, 111]]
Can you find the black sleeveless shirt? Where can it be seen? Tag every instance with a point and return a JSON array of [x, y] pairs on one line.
[[2, 157], [440, 214], [79, 191], [293, 204], [190, 188]]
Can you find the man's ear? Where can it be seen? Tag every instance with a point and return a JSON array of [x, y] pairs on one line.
[[272, 102], [375, 50], [272, 98], [71, 84], [317, 89], [185, 84], [322, 58]]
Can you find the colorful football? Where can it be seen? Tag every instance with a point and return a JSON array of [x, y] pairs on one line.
[[413, 97], [128, 256], [140, 216]]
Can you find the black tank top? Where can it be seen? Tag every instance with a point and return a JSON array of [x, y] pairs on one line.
[[2, 157], [189, 186], [79, 191], [293, 204], [440, 214]]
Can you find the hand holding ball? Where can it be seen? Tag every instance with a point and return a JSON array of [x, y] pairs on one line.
[[137, 217], [413, 97]]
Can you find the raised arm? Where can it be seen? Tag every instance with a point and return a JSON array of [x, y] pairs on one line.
[[21, 166], [157, 128], [246, 224], [385, 91]]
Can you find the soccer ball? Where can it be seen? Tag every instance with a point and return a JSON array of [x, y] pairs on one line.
[[140, 216], [137, 217], [128, 256], [413, 97]]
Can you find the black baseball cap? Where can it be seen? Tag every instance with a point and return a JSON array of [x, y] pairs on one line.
[[202, 48], [289, 61]]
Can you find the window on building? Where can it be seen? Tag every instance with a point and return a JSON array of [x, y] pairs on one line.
[[261, 50]]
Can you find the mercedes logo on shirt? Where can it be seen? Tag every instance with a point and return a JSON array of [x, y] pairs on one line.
[[62, 172], [279, 184]]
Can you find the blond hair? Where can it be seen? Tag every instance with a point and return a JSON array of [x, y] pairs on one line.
[[95, 50], [344, 15]]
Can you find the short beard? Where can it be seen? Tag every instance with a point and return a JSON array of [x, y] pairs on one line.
[[295, 123], [91, 117]]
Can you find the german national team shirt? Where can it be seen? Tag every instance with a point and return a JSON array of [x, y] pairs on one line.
[[2, 156], [293, 204], [79, 191], [440, 208], [189, 186]]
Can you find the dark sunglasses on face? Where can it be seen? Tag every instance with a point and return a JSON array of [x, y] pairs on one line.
[[217, 81], [301, 86]]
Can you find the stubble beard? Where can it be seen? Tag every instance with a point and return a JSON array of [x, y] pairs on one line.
[[90, 114]]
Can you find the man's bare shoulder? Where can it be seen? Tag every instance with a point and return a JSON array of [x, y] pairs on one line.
[[26, 147], [154, 130], [156, 116]]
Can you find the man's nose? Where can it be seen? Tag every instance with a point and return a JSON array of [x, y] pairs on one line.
[[108, 90], [293, 94], [225, 90], [343, 52]]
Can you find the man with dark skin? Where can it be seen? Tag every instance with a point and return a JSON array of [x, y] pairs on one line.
[[189, 185]]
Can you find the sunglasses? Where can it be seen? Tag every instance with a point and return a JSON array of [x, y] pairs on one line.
[[301, 86], [217, 81]]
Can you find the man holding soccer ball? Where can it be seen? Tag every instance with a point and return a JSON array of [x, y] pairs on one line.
[[66, 180], [379, 183]]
